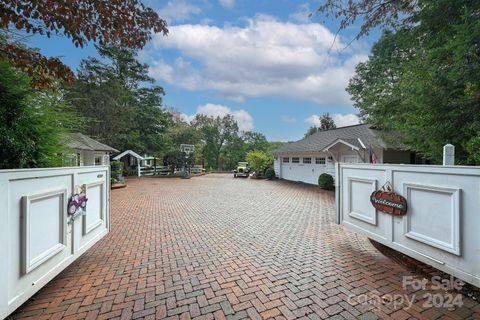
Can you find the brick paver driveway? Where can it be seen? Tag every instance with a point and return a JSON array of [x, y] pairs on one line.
[[215, 247]]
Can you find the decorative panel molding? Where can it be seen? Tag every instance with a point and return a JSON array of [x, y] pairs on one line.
[[44, 224], [433, 216], [358, 202], [94, 216]]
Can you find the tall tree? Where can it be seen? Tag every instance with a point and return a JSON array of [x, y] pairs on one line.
[[127, 23], [372, 13], [233, 152], [255, 141], [310, 131], [423, 81], [326, 123], [31, 122], [118, 97], [216, 132], [181, 132]]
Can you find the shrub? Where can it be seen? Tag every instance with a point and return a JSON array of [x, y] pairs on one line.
[[259, 161], [270, 173], [117, 169], [325, 181]]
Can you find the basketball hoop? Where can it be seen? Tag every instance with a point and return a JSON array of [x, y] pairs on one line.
[[187, 148]]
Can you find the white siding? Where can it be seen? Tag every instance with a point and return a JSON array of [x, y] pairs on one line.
[[276, 166], [305, 172], [309, 173]]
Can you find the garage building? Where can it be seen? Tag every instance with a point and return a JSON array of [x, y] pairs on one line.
[[306, 159]]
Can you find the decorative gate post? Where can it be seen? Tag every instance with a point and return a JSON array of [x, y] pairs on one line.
[[448, 155]]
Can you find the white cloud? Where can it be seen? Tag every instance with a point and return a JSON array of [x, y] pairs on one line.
[[163, 70], [302, 15], [313, 120], [243, 118], [288, 119], [341, 120], [178, 10], [266, 57], [187, 118], [229, 4]]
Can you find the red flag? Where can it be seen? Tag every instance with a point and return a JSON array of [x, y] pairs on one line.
[[373, 157]]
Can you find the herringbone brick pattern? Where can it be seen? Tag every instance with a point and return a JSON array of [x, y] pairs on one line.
[[215, 247]]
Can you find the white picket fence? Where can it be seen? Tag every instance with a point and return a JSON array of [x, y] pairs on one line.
[[154, 171], [441, 227], [197, 169], [165, 170], [38, 239]]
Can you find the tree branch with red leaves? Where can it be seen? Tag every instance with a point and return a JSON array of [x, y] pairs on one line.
[[120, 22]]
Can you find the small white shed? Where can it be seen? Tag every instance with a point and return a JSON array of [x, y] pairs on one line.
[[132, 161], [86, 151]]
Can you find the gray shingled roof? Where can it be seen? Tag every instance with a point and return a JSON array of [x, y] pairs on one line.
[[80, 141], [318, 141]]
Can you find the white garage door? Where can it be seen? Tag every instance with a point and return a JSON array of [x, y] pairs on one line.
[[307, 173]]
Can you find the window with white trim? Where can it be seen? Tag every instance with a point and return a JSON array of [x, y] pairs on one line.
[[286, 160], [307, 160], [320, 160], [98, 160], [295, 160]]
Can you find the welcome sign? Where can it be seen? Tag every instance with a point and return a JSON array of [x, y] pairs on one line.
[[389, 202]]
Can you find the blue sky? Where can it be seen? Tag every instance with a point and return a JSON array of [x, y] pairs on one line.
[[265, 62]]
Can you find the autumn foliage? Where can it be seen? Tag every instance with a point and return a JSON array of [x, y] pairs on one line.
[[122, 22]]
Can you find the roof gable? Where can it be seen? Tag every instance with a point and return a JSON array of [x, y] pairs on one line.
[[129, 152], [355, 144], [361, 136]]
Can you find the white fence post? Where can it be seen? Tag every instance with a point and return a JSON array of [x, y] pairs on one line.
[[338, 189], [448, 155]]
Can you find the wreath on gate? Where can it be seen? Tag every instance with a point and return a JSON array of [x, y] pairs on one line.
[[77, 203]]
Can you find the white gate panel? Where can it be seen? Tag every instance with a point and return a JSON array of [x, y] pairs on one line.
[[95, 220], [442, 220], [37, 237], [358, 210]]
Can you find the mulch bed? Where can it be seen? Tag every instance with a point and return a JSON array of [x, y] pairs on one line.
[[118, 186]]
